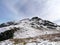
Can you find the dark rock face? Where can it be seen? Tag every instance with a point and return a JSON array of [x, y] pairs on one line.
[[2, 25], [39, 22], [7, 24], [6, 35], [36, 18]]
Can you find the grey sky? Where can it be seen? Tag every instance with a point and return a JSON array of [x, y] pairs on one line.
[[18, 9]]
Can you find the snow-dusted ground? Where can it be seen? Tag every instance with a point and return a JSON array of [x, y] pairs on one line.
[[26, 31], [7, 42]]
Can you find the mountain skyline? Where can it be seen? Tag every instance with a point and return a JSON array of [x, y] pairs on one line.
[[30, 32]]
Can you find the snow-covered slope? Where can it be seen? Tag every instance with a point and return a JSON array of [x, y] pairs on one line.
[[35, 29]]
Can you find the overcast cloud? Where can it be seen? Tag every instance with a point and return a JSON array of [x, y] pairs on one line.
[[18, 9]]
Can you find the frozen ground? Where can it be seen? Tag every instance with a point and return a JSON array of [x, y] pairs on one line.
[[33, 32]]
